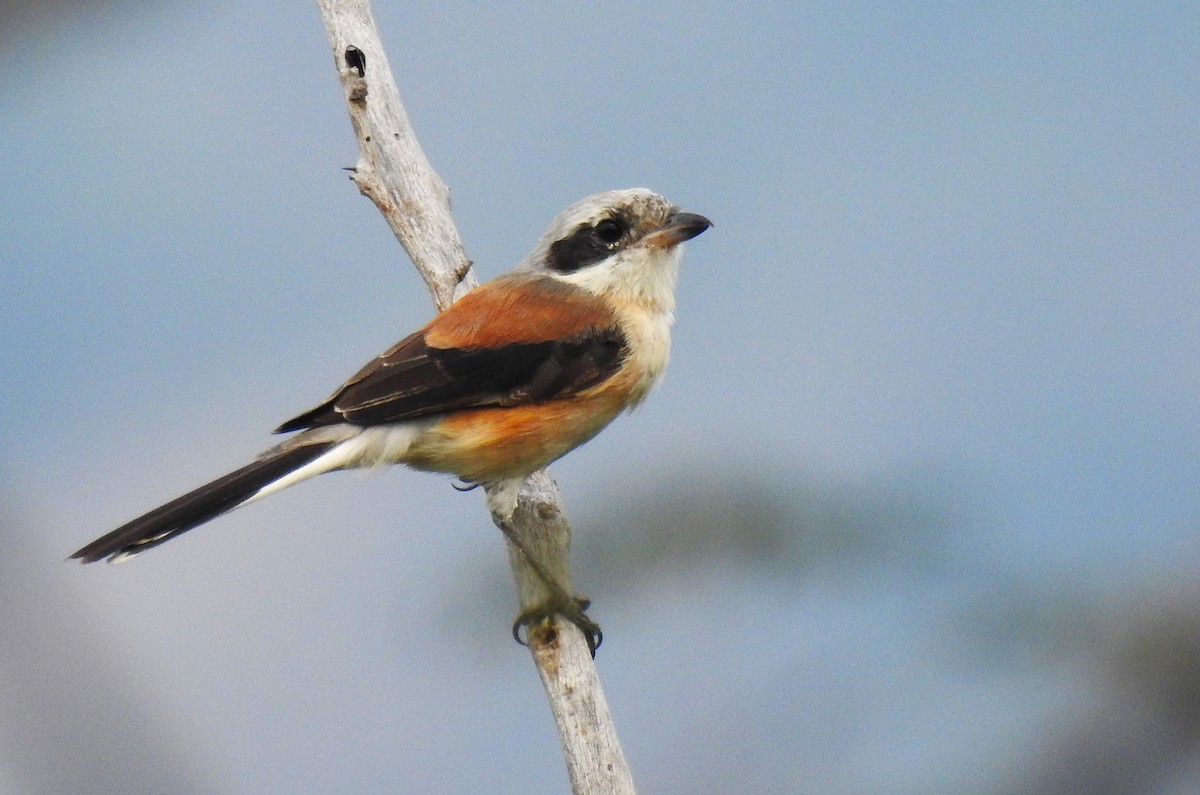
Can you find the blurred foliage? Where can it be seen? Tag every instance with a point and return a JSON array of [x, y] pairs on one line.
[[1138, 728], [778, 524]]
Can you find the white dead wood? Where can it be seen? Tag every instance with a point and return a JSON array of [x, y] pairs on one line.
[[394, 173]]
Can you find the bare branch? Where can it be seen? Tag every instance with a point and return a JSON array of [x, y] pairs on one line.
[[392, 169], [592, 749], [394, 173]]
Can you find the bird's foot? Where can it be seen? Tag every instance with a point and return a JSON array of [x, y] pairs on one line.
[[541, 618]]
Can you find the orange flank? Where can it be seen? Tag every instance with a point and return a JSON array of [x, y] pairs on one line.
[[491, 444]]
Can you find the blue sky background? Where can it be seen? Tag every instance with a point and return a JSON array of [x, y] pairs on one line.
[[945, 327]]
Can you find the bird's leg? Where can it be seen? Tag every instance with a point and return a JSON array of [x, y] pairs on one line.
[[558, 602], [549, 596]]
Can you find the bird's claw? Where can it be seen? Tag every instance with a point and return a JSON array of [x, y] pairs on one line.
[[573, 609]]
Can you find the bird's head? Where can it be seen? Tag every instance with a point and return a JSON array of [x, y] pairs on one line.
[[622, 243]]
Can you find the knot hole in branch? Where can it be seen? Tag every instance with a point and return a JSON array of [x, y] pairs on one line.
[[356, 63]]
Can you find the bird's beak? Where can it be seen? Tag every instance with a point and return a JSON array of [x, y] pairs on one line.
[[678, 228]]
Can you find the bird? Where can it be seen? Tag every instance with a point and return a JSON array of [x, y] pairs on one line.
[[511, 377]]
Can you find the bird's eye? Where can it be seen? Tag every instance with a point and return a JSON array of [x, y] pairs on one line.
[[609, 232]]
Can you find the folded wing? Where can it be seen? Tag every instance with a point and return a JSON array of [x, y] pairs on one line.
[[488, 349]]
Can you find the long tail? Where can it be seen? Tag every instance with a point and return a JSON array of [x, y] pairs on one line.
[[274, 471]]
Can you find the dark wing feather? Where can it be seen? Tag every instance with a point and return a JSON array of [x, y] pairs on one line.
[[414, 379]]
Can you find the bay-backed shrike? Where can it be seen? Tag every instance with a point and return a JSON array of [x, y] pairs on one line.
[[511, 377]]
